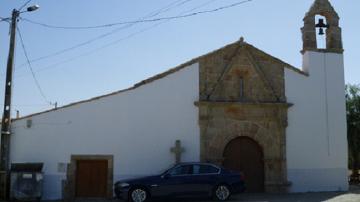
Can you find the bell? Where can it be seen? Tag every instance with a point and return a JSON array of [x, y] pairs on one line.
[[321, 25]]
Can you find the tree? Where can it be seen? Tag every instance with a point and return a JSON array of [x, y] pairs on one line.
[[353, 130]]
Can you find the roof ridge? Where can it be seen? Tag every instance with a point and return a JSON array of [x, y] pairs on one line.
[[162, 75]]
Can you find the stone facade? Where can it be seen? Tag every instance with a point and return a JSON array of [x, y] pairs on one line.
[[242, 93]]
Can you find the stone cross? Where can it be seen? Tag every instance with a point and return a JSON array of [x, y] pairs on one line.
[[177, 150]]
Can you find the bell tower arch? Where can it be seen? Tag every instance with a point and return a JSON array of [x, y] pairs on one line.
[[329, 21]]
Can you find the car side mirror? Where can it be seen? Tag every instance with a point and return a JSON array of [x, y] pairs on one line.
[[166, 176]]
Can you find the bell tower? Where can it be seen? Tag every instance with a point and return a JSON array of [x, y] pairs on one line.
[[320, 95], [333, 31]]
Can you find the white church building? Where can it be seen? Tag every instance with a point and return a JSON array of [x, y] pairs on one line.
[[237, 107]]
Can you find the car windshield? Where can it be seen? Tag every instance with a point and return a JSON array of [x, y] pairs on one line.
[[165, 170]]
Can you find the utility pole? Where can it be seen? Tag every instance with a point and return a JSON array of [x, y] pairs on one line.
[[6, 118]]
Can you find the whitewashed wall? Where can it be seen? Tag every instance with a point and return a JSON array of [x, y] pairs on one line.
[[316, 136], [138, 127]]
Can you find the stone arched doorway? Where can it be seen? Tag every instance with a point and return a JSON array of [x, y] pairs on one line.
[[246, 155]]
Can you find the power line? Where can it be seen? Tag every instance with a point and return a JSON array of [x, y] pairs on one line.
[[29, 105], [197, 7], [137, 21], [25, 4], [127, 26], [4, 19], [168, 7], [115, 42], [152, 14], [31, 69]]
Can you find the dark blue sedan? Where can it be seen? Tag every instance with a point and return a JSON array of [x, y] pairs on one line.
[[183, 180]]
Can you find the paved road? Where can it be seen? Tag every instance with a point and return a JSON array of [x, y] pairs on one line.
[[351, 196], [307, 197]]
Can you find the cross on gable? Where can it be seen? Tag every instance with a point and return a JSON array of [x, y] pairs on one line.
[[177, 150]]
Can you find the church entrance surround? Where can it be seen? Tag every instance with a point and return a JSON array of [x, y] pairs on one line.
[[247, 137]]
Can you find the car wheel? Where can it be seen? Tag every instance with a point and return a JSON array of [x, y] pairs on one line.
[[138, 195], [222, 192]]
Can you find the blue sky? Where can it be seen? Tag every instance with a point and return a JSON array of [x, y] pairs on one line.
[[271, 25]]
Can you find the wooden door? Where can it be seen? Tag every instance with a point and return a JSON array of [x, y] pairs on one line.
[[245, 155], [91, 178]]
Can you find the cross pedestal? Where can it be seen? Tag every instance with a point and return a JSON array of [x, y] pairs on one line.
[[177, 150]]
